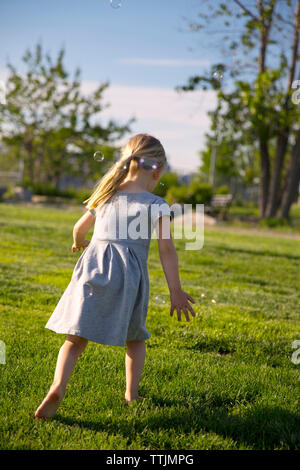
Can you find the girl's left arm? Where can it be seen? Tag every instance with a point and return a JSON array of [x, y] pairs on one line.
[[169, 260], [81, 228]]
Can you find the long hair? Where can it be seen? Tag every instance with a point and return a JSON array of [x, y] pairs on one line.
[[140, 146]]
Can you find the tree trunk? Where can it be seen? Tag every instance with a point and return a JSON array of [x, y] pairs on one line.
[[264, 177], [282, 190], [37, 167], [263, 144], [39, 162], [283, 137], [281, 148], [29, 149], [292, 187]]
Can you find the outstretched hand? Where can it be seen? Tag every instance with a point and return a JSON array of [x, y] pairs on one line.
[[82, 245], [179, 301]]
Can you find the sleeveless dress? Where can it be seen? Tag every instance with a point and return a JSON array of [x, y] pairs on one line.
[[107, 298]]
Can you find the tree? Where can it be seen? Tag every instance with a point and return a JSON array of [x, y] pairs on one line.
[[236, 159], [259, 108], [166, 181], [49, 121]]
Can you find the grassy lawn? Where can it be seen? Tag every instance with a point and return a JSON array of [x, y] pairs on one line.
[[224, 381]]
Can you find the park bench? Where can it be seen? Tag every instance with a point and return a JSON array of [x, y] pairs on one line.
[[219, 205]]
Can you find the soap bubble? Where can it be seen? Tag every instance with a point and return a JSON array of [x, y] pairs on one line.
[[159, 299], [161, 183], [218, 75], [115, 3], [99, 156]]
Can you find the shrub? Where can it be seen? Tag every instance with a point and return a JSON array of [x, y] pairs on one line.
[[273, 222], [222, 189], [195, 193], [48, 189], [199, 193], [43, 189], [177, 194], [168, 180]]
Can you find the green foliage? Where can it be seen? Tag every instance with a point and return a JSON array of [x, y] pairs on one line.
[[272, 222], [166, 181], [199, 193], [177, 194], [255, 113], [51, 125], [222, 189], [48, 189], [195, 193]]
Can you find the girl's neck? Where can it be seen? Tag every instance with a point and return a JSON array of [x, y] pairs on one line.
[[131, 186]]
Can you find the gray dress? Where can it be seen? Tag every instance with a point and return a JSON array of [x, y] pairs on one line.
[[107, 298]]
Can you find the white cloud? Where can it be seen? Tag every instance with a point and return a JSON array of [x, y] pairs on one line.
[[4, 73], [163, 62], [179, 121]]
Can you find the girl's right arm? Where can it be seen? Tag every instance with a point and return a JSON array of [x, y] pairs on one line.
[[80, 230], [169, 260]]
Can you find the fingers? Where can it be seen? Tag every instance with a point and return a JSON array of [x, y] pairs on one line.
[[178, 310], [189, 306], [186, 309], [191, 310], [190, 298], [186, 314], [74, 248]]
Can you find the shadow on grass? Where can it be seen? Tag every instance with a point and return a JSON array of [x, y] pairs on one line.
[[261, 427]]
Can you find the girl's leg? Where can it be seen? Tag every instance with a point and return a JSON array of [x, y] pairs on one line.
[[66, 361], [135, 358]]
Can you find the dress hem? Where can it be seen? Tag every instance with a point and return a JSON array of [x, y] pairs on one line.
[[88, 337]]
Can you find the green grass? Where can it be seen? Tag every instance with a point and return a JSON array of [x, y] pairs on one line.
[[224, 381]]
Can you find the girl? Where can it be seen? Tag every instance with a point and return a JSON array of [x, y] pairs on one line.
[[106, 300]]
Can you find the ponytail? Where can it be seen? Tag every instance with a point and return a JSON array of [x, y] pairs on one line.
[[147, 147]]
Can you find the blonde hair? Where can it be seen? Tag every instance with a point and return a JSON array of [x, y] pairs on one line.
[[139, 146]]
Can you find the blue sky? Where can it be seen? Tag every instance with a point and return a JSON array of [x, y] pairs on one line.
[[144, 50]]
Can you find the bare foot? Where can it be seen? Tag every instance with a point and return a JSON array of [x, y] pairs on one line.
[[128, 401], [49, 405]]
